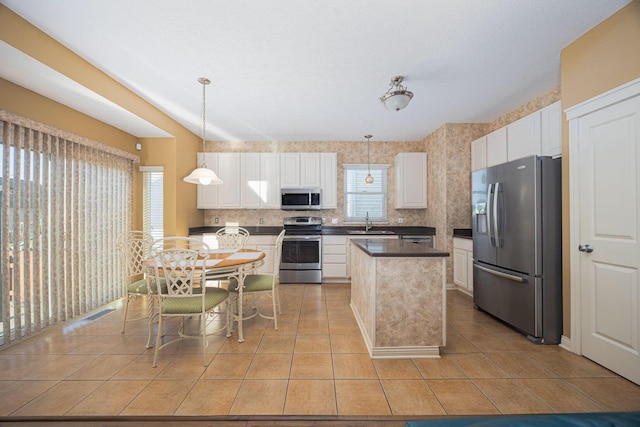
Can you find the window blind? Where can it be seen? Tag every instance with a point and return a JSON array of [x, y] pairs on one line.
[[65, 199], [153, 200], [361, 198]]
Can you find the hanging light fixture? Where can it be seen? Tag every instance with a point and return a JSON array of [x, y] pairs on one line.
[[397, 96], [203, 175], [369, 178]]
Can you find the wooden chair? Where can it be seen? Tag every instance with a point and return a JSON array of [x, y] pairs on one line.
[[179, 265], [259, 285]]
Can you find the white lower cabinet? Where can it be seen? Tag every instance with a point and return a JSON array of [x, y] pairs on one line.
[[266, 244], [335, 257], [463, 264]]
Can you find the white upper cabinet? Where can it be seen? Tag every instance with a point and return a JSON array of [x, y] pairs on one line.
[[479, 154], [260, 185], [497, 147], [289, 170], [229, 173], [309, 169], [270, 180], [253, 180], [551, 129], [523, 137], [299, 170], [539, 133], [251, 189], [207, 195], [411, 180], [329, 180], [226, 195]]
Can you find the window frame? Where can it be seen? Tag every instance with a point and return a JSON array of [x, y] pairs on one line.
[[380, 172]]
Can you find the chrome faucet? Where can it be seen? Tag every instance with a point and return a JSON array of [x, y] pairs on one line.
[[367, 223]]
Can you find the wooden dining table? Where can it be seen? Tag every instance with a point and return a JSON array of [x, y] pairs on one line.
[[223, 264]]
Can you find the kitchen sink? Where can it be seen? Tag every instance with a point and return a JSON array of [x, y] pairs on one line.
[[371, 232]]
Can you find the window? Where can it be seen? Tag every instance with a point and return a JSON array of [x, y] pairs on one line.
[[152, 200], [361, 199], [65, 201]]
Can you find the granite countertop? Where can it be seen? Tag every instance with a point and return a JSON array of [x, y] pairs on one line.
[[396, 248], [397, 229], [463, 233], [259, 230], [326, 230]]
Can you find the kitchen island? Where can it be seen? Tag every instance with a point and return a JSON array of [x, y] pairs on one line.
[[398, 297]]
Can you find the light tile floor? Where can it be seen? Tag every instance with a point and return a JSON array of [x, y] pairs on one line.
[[315, 364]]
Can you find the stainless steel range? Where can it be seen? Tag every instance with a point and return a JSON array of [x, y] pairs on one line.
[[302, 250]]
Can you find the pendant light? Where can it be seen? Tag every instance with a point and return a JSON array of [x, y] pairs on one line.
[[203, 175], [369, 178], [397, 96]]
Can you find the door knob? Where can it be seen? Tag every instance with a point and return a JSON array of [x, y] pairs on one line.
[[585, 248]]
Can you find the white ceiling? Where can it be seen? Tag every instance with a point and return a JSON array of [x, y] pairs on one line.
[[312, 70]]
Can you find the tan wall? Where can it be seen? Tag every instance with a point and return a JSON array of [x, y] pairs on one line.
[[178, 158], [602, 59]]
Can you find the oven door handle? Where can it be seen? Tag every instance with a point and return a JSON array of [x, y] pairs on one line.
[[295, 237]]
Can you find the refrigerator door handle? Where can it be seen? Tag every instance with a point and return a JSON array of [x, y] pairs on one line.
[[494, 214], [499, 273], [488, 216]]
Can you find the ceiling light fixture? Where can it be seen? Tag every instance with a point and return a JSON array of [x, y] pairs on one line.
[[202, 175], [397, 96], [369, 178]]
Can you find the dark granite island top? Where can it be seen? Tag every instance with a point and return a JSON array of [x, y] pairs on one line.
[[396, 248]]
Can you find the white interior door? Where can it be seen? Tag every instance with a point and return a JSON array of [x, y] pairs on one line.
[[609, 203]]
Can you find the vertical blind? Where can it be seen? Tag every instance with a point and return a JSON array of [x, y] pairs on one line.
[[65, 199], [360, 198], [153, 200]]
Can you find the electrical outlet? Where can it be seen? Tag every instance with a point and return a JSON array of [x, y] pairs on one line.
[[324, 220], [216, 220], [334, 220], [400, 220], [261, 220]]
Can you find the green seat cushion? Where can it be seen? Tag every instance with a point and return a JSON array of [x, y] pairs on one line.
[[140, 286], [254, 283], [193, 304]]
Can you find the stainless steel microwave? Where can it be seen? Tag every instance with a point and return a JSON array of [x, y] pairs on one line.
[[300, 199]]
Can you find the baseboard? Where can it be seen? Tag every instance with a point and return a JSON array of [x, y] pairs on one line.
[[565, 343]]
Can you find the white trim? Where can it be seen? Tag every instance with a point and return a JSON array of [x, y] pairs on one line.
[[605, 99], [574, 237], [565, 343], [598, 102], [364, 166], [421, 352], [151, 168], [444, 304]]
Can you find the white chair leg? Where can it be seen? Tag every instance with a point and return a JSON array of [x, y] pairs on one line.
[[158, 338], [126, 309], [275, 314], [203, 329]]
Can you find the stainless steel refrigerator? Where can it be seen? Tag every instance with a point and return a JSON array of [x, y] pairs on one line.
[[517, 245]]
